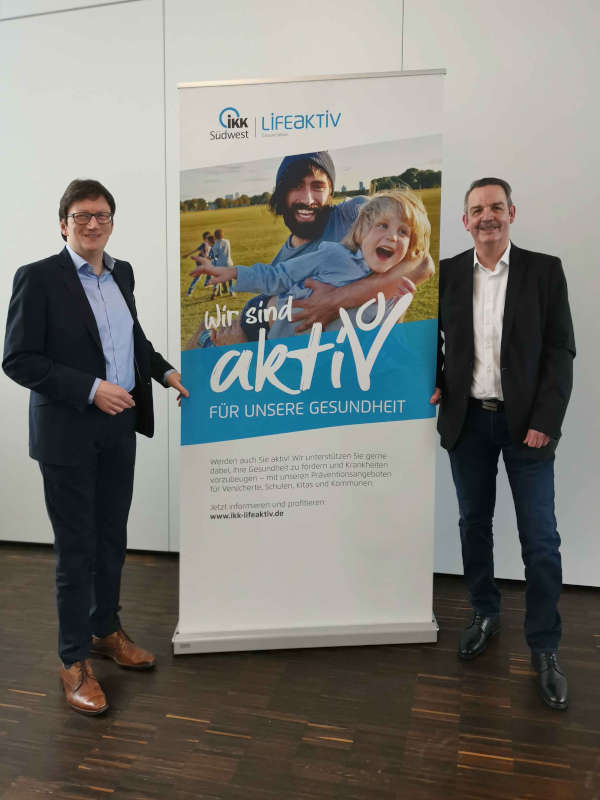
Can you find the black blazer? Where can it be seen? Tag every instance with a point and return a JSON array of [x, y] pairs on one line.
[[52, 347], [536, 354]]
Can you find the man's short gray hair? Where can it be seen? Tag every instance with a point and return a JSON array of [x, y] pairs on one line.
[[490, 182]]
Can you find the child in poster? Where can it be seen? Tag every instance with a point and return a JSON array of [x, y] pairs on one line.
[[392, 227]]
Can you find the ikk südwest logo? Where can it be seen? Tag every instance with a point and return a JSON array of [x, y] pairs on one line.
[[233, 118], [232, 125]]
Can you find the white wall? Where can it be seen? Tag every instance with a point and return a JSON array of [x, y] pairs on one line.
[[85, 99], [519, 103]]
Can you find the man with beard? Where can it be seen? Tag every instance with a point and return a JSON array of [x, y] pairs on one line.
[[503, 383], [303, 197]]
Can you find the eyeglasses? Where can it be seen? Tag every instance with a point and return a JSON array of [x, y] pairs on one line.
[[84, 217]]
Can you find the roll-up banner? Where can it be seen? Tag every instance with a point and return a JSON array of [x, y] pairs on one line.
[[309, 217]]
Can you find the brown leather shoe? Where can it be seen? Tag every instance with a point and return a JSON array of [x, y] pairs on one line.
[[82, 689], [122, 650]]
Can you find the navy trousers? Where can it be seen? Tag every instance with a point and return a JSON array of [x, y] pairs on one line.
[[88, 505], [474, 463]]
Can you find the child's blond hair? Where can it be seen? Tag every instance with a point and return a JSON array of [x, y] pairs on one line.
[[402, 200]]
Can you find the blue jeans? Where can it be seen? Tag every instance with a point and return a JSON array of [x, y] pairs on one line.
[[474, 463]]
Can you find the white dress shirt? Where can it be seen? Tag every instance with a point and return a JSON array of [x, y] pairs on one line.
[[489, 294]]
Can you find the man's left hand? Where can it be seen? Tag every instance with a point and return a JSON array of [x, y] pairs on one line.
[[436, 396], [536, 439], [174, 380], [320, 306]]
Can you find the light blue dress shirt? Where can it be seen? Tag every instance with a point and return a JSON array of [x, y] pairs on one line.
[[114, 321]]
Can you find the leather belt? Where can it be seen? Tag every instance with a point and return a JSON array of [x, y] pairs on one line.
[[489, 404]]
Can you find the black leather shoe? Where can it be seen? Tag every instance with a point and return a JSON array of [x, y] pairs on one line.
[[551, 680], [474, 639]]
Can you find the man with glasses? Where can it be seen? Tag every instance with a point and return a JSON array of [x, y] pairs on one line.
[[73, 338]]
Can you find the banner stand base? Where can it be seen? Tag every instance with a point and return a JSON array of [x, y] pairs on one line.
[[288, 638]]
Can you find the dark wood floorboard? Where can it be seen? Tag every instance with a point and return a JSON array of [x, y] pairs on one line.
[[369, 723]]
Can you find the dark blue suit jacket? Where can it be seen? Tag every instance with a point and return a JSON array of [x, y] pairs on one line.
[[52, 347]]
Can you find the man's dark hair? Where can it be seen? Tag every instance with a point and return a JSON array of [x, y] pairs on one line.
[[83, 189], [219, 233], [206, 234], [291, 178], [490, 182]]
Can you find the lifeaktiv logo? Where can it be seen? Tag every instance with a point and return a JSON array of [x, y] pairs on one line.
[[232, 125]]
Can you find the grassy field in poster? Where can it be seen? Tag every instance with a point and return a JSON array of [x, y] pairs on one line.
[[256, 235]]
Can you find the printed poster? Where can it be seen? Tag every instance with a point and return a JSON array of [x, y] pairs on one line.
[[309, 243]]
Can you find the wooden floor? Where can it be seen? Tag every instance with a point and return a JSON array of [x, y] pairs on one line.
[[369, 723]]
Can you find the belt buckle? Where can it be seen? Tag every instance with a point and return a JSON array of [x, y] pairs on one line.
[[490, 405]]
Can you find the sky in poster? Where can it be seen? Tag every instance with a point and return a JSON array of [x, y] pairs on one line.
[[353, 164]]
